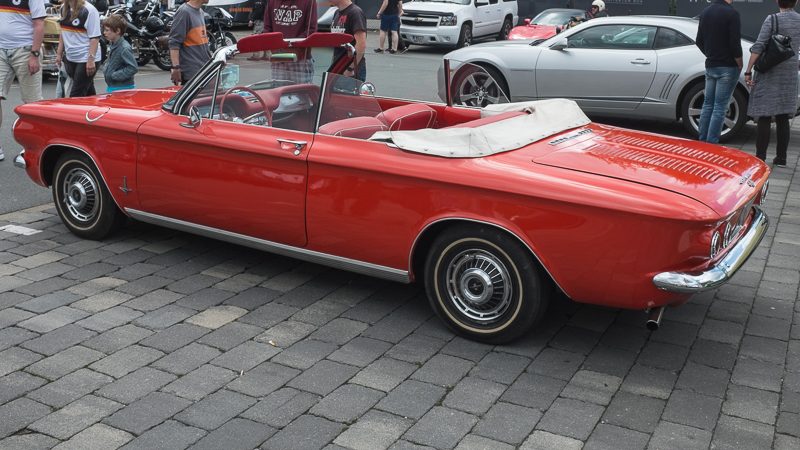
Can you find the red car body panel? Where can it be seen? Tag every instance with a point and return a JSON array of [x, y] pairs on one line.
[[533, 31]]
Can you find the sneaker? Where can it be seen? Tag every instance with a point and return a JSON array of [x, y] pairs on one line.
[[378, 50], [392, 51], [402, 50], [779, 162], [2, 155]]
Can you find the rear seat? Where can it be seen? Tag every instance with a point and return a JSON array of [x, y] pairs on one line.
[[488, 120], [354, 127], [414, 116]]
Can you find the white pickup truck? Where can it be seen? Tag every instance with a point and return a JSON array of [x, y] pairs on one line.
[[455, 23]]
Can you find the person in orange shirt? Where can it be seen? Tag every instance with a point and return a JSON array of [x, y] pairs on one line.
[[188, 41]]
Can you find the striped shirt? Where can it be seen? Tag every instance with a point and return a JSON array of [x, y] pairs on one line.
[[16, 22]]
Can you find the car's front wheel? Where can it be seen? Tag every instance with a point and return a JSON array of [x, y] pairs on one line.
[[692, 106], [82, 199], [484, 284], [505, 30], [465, 37], [478, 86]]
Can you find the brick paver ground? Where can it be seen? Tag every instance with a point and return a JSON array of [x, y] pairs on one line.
[[159, 339]]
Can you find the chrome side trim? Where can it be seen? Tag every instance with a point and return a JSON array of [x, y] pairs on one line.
[[690, 283], [464, 219], [19, 160], [337, 262]]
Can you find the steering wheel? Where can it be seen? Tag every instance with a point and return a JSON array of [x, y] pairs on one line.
[[247, 119]]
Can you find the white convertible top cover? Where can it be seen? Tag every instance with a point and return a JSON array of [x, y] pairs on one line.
[[545, 118]]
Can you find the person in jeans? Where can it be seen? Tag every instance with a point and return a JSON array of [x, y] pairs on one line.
[[78, 45], [21, 32], [188, 41], [774, 93], [121, 64], [719, 38], [389, 14]]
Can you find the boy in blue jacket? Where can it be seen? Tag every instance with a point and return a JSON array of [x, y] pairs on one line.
[[121, 65]]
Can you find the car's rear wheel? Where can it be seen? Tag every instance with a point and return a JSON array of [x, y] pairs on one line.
[[479, 86], [484, 284], [505, 30], [82, 199], [465, 37], [692, 106]]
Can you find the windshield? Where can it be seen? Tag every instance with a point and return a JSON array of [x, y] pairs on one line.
[[556, 18]]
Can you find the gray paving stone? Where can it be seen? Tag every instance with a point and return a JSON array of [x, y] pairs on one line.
[[693, 409], [719, 331], [360, 351], [147, 412], [769, 327], [636, 412], [725, 311], [508, 423], [443, 370], [17, 384], [542, 440], [347, 403], [735, 433], [56, 318], [230, 335], [117, 338], [672, 435], [169, 435], [312, 291], [12, 336], [412, 399], [135, 271], [16, 358], [110, 318], [189, 284], [572, 418], [90, 271], [186, 359], [99, 294], [305, 433], [534, 391], [474, 395], [49, 301], [556, 363], [201, 382], [384, 374], [251, 298], [663, 356], [610, 360], [152, 300], [215, 409], [323, 377], [610, 437], [305, 353], [268, 315], [649, 381], [789, 423], [75, 416], [475, 442], [404, 445], [45, 271], [208, 298], [374, 430], [782, 442], [136, 385], [96, 437], [466, 349], [70, 387], [263, 379], [164, 317], [416, 348], [713, 354], [12, 316], [703, 379], [763, 349], [320, 312], [286, 333], [174, 337], [40, 259], [245, 356], [339, 331], [58, 340], [62, 363], [592, 387], [753, 404], [47, 286], [235, 435], [757, 374], [575, 340], [281, 407], [18, 414], [32, 441], [127, 360], [500, 367], [441, 428]]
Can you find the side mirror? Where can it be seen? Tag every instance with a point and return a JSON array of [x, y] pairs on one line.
[[367, 89], [194, 118], [560, 44]]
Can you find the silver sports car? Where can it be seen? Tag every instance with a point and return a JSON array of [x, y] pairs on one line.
[[629, 66]]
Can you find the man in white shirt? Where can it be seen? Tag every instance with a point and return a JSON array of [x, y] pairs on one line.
[[21, 31]]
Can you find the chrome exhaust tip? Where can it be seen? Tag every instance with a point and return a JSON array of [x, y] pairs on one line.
[[654, 318]]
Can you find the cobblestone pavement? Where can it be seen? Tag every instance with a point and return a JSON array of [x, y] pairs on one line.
[[159, 339]]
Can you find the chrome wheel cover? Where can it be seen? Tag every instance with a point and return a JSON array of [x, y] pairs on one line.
[[696, 108], [478, 89], [80, 195], [479, 286]]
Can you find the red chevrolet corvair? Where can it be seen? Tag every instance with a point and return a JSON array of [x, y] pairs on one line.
[[494, 209]]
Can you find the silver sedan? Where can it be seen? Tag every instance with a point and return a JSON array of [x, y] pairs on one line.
[[631, 66]]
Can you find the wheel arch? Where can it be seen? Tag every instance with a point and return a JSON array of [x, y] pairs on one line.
[[425, 238], [700, 79], [493, 65]]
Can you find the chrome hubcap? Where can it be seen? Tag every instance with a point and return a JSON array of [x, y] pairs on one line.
[[696, 108], [479, 286], [479, 89], [80, 195]]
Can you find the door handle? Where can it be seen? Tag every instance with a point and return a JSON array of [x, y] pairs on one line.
[[294, 146], [640, 61]]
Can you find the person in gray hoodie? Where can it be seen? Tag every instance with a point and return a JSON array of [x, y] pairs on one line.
[[121, 65]]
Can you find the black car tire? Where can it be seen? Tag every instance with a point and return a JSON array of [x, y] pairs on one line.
[[693, 100], [484, 284], [82, 198], [505, 30], [465, 37]]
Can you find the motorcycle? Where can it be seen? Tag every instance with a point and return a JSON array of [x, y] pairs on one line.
[[147, 33], [217, 21]]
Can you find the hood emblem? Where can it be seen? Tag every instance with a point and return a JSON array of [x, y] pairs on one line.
[[746, 179]]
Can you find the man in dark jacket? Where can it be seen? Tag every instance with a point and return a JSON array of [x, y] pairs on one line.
[[719, 38]]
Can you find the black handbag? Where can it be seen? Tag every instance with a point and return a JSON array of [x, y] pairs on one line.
[[777, 50]]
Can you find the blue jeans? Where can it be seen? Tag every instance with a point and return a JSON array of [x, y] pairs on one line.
[[720, 83]]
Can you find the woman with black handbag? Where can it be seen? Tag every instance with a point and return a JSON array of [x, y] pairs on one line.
[[773, 85]]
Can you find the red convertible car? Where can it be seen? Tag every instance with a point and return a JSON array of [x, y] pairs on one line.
[[495, 210], [547, 24]]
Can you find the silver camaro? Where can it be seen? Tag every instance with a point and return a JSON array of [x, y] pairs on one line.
[[644, 67]]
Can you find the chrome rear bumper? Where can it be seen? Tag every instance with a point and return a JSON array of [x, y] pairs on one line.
[[19, 160], [690, 283]]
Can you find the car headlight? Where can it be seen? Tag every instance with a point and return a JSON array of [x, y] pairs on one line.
[[716, 245], [448, 21]]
